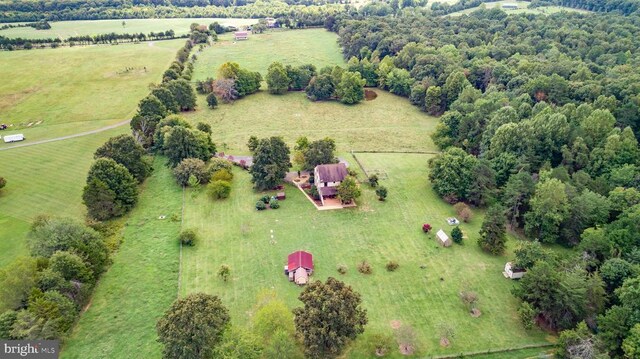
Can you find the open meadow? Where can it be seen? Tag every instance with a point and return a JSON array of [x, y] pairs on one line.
[[43, 179], [65, 29], [56, 92], [523, 8]]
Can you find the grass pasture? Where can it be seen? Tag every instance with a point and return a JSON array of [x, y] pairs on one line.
[[43, 179], [291, 47], [66, 29], [523, 8], [55, 92], [234, 233]]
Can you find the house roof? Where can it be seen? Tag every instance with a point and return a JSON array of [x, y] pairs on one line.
[[331, 173], [241, 33], [328, 191], [300, 259]]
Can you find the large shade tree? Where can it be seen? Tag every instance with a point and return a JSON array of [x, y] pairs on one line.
[[270, 163], [330, 318], [126, 151], [110, 191], [192, 327]]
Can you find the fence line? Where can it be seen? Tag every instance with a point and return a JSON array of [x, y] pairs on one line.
[[491, 351]]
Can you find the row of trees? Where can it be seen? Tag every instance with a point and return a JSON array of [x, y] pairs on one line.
[[10, 44], [41, 295], [198, 325]]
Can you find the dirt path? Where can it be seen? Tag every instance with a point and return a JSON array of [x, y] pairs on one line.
[[106, 128]]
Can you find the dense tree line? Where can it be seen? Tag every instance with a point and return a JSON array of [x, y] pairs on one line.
[[625, 7], [540, 118], [290, 15], [111, 38]]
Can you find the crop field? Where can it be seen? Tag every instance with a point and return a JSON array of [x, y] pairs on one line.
[[314, 46], [69, 90], [65, 29], [523, 8], [43, 179]]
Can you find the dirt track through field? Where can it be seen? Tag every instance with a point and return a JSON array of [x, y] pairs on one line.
[[68, 136]]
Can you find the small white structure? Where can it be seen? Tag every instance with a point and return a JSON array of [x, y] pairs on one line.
[[443, 239], [453, 221], [510, 6], [511, 272], [14, 138]]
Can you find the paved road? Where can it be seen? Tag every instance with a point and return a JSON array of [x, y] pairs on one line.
[[26, 144]]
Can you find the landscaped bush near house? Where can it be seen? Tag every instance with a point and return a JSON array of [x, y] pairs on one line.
[[456, 235], [219, 189], [260, 206], [373, 181], [364, 267], [313, 191], [382, 193], [274, 203], [392, 266], [188, 237], [463, 211], [265, 199], [426, 228]]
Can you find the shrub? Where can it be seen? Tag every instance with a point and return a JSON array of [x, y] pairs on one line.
[[260, 206], [364, 267], [527, 315], [224, 272], [373, 181], [3, 182], [426, 228], [191, 167], [265, 199], [392, 266], [463, 211], [382, 193], [456, 235], [212, 100], [222, 175], [274, 204], [188, 237], [216, 164], [342, 269], [219, 189], [314, 192]]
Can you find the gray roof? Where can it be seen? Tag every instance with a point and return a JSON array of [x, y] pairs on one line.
[[331, 173]]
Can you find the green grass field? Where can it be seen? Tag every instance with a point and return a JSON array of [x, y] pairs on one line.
[[295, 47], [523, 8], [140, 285], [65, 29], [234, 233], [56, 92], [43, 179]]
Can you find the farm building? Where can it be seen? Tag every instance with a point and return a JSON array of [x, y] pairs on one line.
[[14, 138], [299, 267], [328, 178], [443, 238], [510, 6], [241, 35], [510, 271], [271, 22]]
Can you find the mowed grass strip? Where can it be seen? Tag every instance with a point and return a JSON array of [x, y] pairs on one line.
[[66, 29], [43, 179], [142, 282], [291, 47], [235, 234], [56, 92]]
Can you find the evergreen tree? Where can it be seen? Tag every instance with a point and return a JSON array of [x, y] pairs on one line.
[[493, 232]]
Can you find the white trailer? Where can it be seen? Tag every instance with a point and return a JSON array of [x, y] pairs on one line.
[[14, 138]]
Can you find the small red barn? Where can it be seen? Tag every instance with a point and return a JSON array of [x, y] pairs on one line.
[[299, 267]]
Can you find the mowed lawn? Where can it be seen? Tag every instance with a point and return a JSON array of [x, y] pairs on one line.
[[142, 282], [291, 47], [387, 123], [56, 92], [66, 29], [43, 179], [235, 234]]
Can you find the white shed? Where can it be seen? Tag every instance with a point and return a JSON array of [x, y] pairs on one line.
[[14, 138], [511, 272], [443, 239]]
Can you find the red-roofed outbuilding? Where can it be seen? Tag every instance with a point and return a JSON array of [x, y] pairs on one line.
[[300, 266]]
